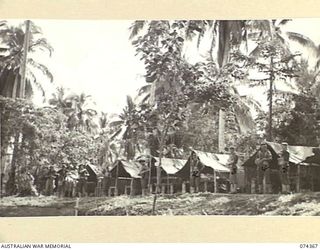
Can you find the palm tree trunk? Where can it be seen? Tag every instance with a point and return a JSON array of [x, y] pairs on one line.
[[270, 99], [15, 86], [221, 132], [224, 42], [1, 143], [10, 188], [23, 67]]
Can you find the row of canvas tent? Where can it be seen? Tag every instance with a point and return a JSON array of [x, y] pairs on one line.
[[126, 177], [304, 169], [304, 173]]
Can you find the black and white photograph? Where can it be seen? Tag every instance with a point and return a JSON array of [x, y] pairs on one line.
[[159, 117]]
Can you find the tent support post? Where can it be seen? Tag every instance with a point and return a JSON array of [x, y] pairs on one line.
[[215, 181], [184, 187], [298, 178], [116, 182], [131, 187]]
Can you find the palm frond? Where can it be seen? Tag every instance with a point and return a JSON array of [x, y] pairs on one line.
[[115, 123], [136, 27], [200, 36], [317, 64], [41, 44], [91, 112], [255, 53], [251, 102], [36, 83], [301, 39], [144, 89], [130, 103], [284, 21], [146, 99], [34, 29], [45, 71], [3, 23]]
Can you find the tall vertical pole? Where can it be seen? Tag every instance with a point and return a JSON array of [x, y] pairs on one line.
[[221, 130], [270, 98], [271, 83], [0, 151], [23, 67]]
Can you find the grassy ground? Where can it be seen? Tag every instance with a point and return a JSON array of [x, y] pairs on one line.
[[183, 204]]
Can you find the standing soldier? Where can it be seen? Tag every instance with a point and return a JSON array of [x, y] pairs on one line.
[[83, 177], [105, 181], [232, 164], [62, 181], [145, 174], [195, 171], [50, 180], [263, 160], [283, 162]]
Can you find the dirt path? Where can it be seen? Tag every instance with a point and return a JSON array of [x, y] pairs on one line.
[[179, 204], [35, 211]]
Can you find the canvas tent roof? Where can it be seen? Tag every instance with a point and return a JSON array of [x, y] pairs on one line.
[[130, 168], [170, 165], [96, 169], [313, 160], [297, 153], [212, 161]]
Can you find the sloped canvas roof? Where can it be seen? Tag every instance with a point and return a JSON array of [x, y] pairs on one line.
[[72, 175], [96, 169], [211, 160], [131, 168], [223, 158], [170, 165], [297, 153]]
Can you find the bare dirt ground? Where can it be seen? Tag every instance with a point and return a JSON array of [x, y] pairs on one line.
[[180, 204]]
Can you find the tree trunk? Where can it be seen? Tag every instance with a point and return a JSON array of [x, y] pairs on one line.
[[10, 187], [221, 140], [23, 68], [224, 42], [270, 99], [1, 155], [159, 171]]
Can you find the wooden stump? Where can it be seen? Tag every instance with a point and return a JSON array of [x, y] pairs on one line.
[[206, 186], [184, 189], [163, 188], [131, 188], [253, 186], [215, 182], [171, 188], [298, 179]]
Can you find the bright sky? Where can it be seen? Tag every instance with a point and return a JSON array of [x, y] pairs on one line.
[[96, 57]]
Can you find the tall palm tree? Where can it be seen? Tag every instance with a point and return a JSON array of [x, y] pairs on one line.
[[76, 108], [127, 128], [231, 34], [18, 73], [60, 101], [273, 45], [12, 39], [81, 116]]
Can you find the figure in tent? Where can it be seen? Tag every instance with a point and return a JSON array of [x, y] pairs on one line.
[[283, 162], [232, 164], [263, 160], [195, 173]]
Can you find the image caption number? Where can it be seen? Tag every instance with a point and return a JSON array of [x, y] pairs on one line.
[[309, 246]]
